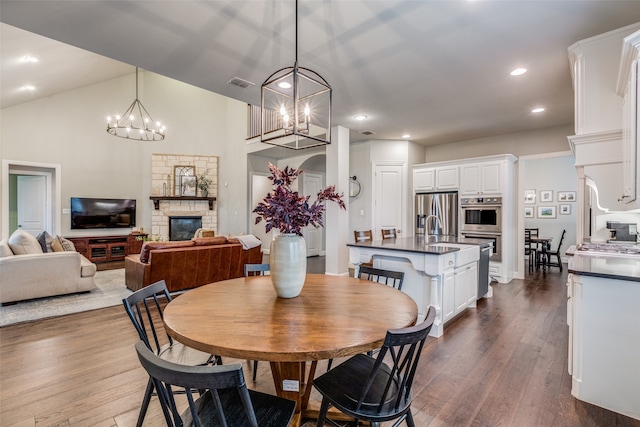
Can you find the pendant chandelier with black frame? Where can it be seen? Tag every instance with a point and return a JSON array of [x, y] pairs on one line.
[[136, 123], [299, 100]]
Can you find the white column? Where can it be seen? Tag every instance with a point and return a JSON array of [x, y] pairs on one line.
[[337, 220]]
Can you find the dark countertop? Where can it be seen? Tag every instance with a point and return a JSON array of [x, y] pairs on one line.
[[607, 266], [421, 244]]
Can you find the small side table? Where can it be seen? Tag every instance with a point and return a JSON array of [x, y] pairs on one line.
[[135, 242]]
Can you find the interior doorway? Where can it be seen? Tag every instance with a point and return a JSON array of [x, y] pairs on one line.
[[545, 191], [31, 197]]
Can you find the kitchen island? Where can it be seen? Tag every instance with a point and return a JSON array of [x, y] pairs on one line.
[[603, 291], [441, 271]]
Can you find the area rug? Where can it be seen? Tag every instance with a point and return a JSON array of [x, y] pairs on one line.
[[110, 290]]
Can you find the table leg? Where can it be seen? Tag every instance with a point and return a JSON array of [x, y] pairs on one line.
[[295, 373], [290, 383]]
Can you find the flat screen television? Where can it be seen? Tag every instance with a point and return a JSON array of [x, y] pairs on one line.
[[91, 213]]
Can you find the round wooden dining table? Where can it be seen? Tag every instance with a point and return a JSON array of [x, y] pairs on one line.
[[334, 316]]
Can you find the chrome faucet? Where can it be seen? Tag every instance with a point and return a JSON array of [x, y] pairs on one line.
[[426, 222]]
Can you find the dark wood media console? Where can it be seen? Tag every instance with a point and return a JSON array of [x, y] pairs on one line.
[[108, 248]]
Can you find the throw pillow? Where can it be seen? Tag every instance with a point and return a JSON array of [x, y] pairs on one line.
[[206, 241], [22, 243], [5, 250], [57, 246], [45, 241], [67, 244]]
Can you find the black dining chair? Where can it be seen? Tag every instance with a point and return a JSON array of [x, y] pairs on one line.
[[144, 308], [530, 249], [391, 278], [256, 270], [395, 279], [549, 253], [368, 388], [224, 398]]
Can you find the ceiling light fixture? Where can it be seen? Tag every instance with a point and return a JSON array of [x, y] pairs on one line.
[[537, 110], [406, 135], [28, 87], [30, 58], [136, 123], [360, 117], [518, 71], [300, 101]]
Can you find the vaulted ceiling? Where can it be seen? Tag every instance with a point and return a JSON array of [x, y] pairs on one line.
[[437, 70]]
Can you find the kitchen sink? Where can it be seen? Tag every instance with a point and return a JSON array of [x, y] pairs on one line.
[[466, 254]]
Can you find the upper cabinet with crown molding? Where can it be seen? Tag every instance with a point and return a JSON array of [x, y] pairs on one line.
[[601, 80], [628, 89]]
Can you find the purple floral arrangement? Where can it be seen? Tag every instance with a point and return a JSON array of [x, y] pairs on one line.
[[286, 210]]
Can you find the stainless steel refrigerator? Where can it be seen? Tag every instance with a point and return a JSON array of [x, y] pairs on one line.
[[444, 207]]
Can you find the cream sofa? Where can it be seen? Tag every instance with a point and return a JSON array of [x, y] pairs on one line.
[[36, 275]]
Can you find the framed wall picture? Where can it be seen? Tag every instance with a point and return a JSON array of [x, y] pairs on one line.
[[546, 211], [188, 185], [566, 196], [530, 197], [528, 212], [565, 209], [178, 173], [546, 196]]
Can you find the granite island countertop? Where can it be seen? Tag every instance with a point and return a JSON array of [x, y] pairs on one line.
[[605, 265], [422, 244]]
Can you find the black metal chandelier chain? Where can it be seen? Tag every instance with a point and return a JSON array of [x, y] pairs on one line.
[[296, 31]]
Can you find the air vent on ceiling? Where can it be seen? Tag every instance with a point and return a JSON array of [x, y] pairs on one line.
[[367, 132], [242, 83]]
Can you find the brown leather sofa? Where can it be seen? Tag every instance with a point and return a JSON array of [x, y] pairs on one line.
[[189, 264]]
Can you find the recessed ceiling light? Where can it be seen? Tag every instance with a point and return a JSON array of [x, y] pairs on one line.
[[518, 71], [284, 85], [406, 135], [537, 110], [360, 117], [28, 87], [30, 58]]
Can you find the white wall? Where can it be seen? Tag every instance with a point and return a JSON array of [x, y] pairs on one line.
[[70, 129], [547, 140], [554, 174]]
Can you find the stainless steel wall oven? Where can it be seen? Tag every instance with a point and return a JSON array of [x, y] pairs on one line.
[[496, 239], [481, 214]]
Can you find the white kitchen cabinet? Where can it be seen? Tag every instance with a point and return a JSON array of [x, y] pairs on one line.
[[448, 295], [466, 285], [436, 179], [481, 178], [604, 342], [628, 88], [424, 179]]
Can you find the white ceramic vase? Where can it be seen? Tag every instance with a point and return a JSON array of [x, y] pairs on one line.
[[288, 264]]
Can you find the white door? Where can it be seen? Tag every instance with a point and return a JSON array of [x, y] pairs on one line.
[[32, 203], [260, 187], [311, 185], [388, 199]]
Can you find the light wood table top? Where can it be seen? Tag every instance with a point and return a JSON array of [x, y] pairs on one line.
[[334, 316]]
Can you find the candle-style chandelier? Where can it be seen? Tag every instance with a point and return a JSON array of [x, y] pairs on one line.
[[299, 100], [136, 123]]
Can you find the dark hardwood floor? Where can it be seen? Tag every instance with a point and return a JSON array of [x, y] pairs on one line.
[[503, 363]]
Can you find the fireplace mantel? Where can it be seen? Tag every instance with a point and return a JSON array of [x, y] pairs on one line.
[[156, 200]]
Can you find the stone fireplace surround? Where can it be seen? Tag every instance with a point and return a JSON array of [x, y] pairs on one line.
[[161, 167]]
